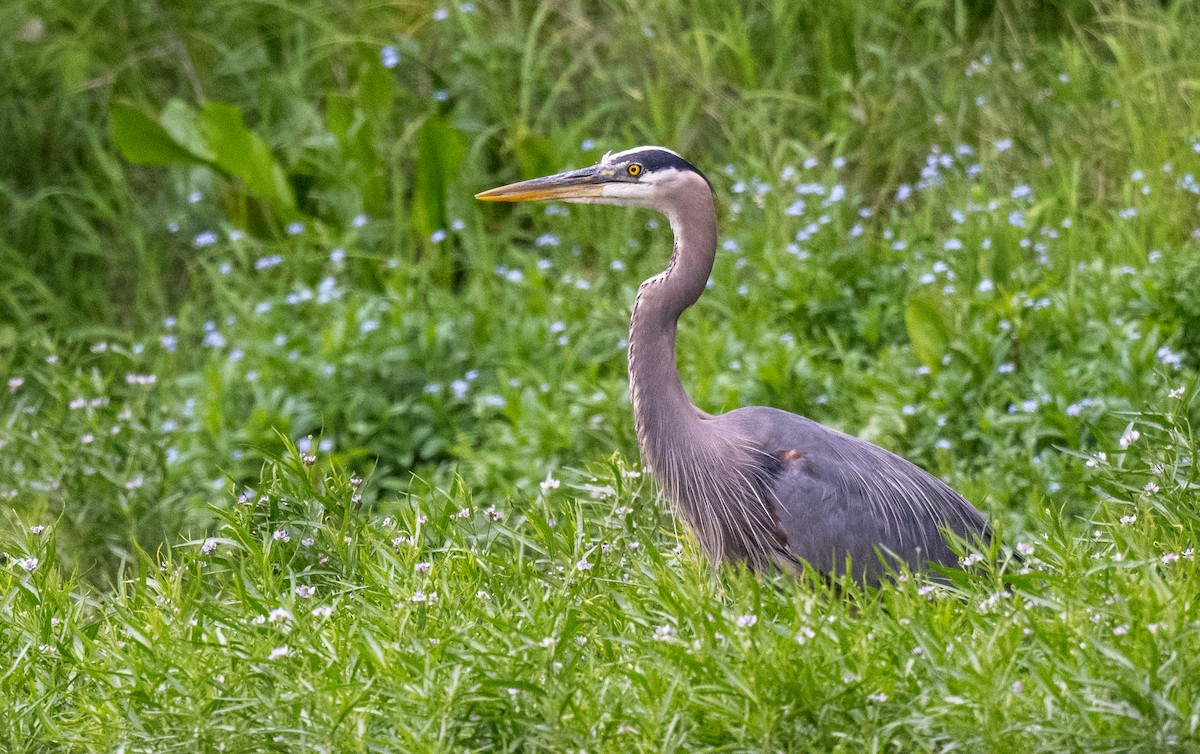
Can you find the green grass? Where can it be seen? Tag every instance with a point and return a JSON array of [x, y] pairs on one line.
[[994, 271]]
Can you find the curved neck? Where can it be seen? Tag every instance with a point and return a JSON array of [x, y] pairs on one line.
[[662, 412]]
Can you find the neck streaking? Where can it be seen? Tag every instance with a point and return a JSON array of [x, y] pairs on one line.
[[665, 419], [713, 478]]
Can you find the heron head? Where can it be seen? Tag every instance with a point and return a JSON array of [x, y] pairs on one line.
[[650, 177]]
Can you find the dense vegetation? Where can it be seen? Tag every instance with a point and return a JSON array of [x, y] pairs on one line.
[[303, 449]]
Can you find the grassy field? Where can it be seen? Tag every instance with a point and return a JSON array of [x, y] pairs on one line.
[[303, 449]]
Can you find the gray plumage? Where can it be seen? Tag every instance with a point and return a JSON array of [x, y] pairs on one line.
[[756, 485]]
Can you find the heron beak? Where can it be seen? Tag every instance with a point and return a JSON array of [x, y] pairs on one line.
[[587, 183]]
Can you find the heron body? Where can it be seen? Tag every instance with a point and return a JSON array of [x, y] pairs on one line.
[[757, 485]]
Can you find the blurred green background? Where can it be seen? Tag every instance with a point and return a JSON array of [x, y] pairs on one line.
[[966, 231], [266, 208]]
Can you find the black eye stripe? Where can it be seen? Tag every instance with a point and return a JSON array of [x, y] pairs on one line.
[[651, 159], [660, 159]]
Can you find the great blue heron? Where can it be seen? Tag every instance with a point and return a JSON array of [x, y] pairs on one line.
[[757, 484]]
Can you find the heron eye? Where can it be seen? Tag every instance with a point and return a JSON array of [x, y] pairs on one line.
[[634, 169]]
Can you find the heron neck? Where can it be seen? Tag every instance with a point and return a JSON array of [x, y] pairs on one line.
[[663, 414]]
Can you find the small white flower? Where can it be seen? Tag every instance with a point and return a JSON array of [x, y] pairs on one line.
[[1176, 393], [1097, 459], [878, 698], [423, 567], [1170, 557], [746, 621], [1024, 548], [663, 633], [209, 546], [1127, 520], [1129, 438], [278, 615], [971, 559], [305, 591], [277, 653], [583, 565], [1120, 630], [28, 563], [419, 596], [482, 595], [322, 611], [550, 483], [207, 238], [1150, 488], [37, 529]]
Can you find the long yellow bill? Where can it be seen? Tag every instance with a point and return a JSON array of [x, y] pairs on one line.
[[573, 184]]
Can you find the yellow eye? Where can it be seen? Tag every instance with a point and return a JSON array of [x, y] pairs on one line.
[[634, 169]]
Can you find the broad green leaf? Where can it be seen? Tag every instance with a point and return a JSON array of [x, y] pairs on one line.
[[440, 151], [927, 330], [340, 115], [535, 154], [241, 153], [144, 141], [180, 121], [377, 93]]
